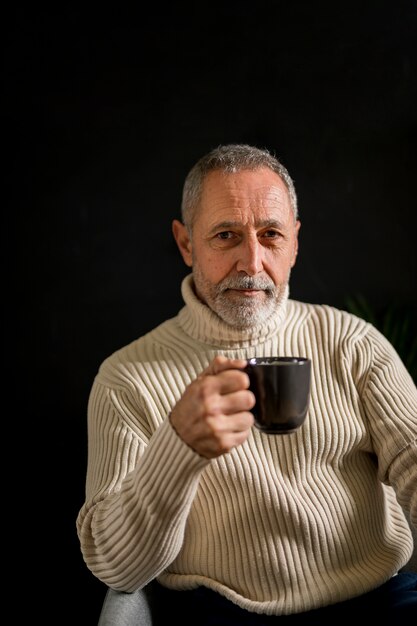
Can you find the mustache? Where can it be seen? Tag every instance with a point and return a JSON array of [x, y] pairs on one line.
[[246, 282]]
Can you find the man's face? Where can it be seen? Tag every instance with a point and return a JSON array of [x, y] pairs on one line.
[[243, 245]]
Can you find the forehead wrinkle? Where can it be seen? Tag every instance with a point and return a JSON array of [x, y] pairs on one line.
[[233, 195], [235, 200]]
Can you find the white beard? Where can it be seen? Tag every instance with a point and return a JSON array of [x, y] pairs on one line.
[[241, 311]]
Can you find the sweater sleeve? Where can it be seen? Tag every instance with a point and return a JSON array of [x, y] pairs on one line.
[[139, 489], [390, 399]]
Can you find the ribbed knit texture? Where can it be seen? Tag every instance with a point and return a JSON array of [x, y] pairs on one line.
[[283, 523]]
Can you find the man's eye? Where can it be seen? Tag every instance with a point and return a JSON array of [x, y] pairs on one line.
[[226, 234], [270, 234]]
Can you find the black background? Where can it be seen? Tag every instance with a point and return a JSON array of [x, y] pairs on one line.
[[107, 110]]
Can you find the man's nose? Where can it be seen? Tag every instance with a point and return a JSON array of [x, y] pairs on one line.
[[250, 258]]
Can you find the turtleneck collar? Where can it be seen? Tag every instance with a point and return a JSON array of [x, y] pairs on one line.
[[201, 323]]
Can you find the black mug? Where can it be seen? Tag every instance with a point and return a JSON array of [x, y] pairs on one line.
[[281, 385]]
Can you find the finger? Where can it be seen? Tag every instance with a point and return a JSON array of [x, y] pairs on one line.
[[225, 382], [228, 432], [234, 403], [221, 363]]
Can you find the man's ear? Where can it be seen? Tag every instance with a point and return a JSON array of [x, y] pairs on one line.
[[183, 240], [295, 251]]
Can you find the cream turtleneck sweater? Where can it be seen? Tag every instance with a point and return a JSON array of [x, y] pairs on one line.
[[283, 523]]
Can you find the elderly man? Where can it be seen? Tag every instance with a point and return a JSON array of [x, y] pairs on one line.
[[237, 526]]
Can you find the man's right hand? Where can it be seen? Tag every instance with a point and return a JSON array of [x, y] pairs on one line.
[[213, 415]]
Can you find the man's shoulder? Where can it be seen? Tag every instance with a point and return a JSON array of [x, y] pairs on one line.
[[142, 349], [326, 314]]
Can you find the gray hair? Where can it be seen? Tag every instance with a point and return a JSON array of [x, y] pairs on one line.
[[229, 159]]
